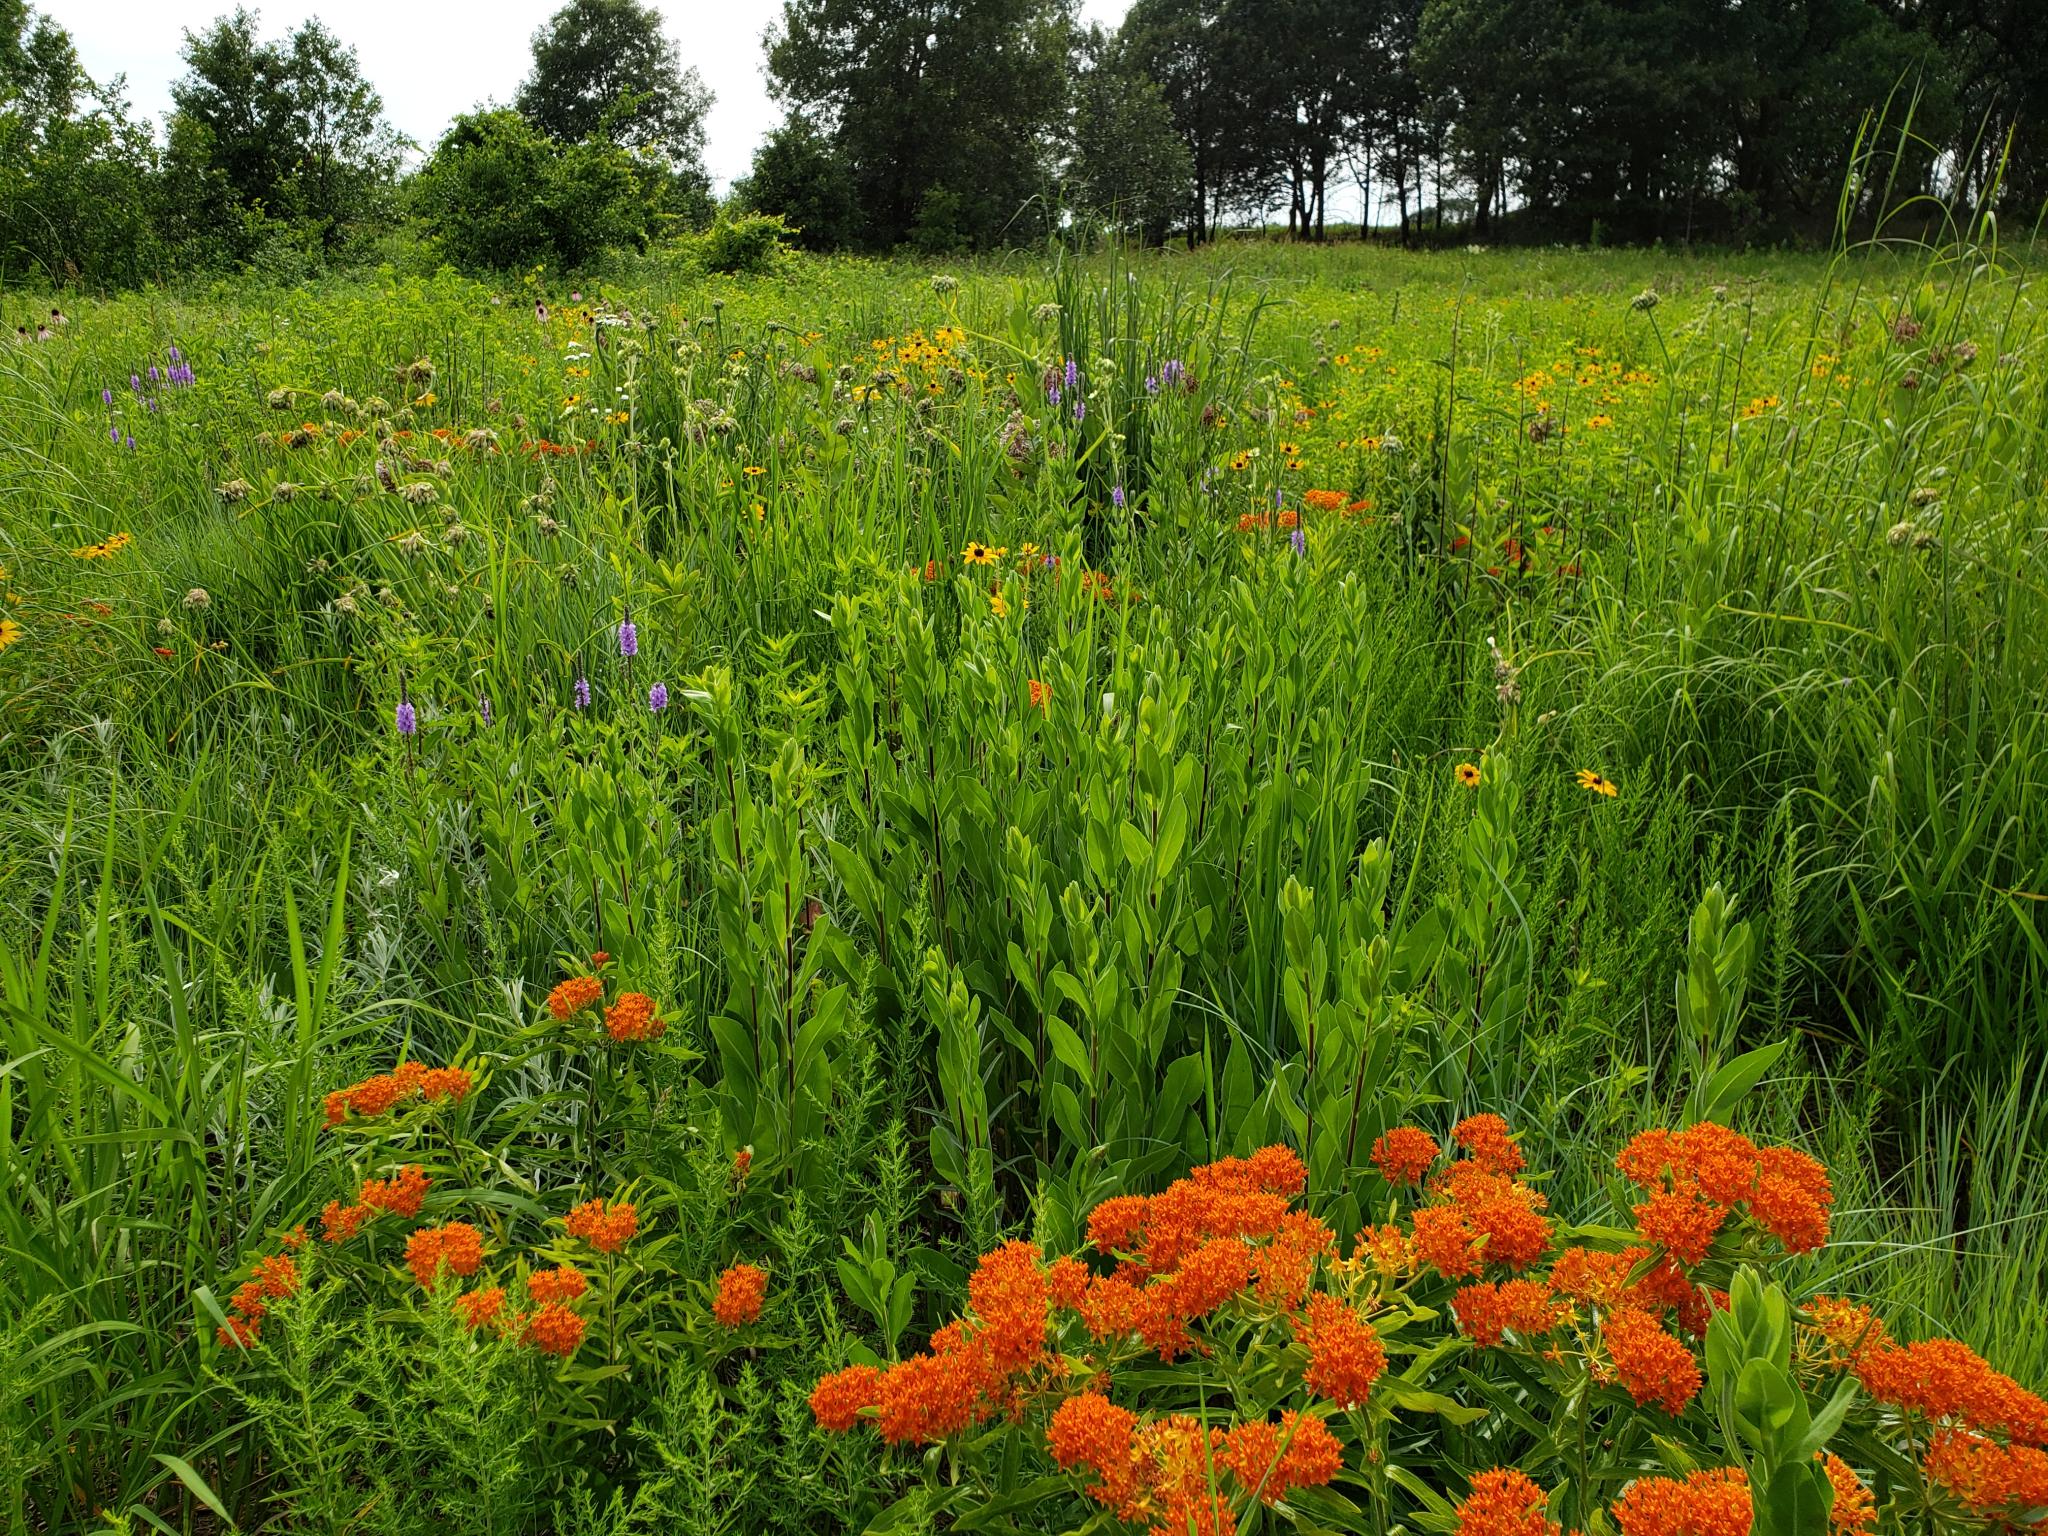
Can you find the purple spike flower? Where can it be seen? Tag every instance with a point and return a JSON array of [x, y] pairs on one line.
[[408, 718], [483, 707], [129, 444], [657, 697], [1151, 384], [114, 435], [152, 373], [176, 355], [1052, 394], [1073, 374], [1299, 539], [583, 693], [1171, 372], [106, 397], [1080, 410], [135, 383], [1116, 495], [629, 639]]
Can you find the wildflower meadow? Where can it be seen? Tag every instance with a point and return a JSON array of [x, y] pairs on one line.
[[1269, 890]]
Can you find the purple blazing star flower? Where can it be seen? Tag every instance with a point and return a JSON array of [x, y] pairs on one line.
[[1171, 372], [114, 435], [1277, 496], [106, 397], [408, 718], [1052, 394], [629, 639], [1073, 374], [1080, 410], [1151, 384], [483, 707], [1116, 495], [657, 697], [176, 355], [152, 373], [1299, 539], [583, 693], [129, 443], [135, 383]]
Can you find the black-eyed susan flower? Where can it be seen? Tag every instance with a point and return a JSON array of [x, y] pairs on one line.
[[9, 633], [978, 553], [1468, 775], [1588, 779]]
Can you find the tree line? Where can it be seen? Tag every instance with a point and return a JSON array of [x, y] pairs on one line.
[[941, 125]]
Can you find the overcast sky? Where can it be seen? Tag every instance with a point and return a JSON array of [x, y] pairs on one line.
[[434, 58]]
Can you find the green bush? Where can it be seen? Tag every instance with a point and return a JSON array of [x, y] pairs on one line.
[[747, 242]]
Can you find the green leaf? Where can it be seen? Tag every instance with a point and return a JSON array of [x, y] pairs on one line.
[[196, 1486]]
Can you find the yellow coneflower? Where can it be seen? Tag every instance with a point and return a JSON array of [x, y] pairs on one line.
[[1468, 775], [978, 553], [9, 633], [752, 470], [998, 605], [1588, 779]]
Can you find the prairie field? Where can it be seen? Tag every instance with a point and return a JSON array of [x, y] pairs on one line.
[[1274, 890]]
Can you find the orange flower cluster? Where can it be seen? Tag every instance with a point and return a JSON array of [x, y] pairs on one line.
[[1603, 1278], [401, 1196], [1488, 1142], [1405, 1154], [408, 1080], [455, 1244], [837, 1399], [477, 1308], [1041, 694], [562, 1283], [1324, 501], [633, 1018], [275, 1277], [741, 1290], [571, 997], [1481, 1217], [1698, 1176], [1270, 1460], [1711, 1503], [1654, 1366], [1946, 1380], [1345, 1356], [1853, 1510], [1486, 1311], [554, 1329], [607, 1228], [1505, 1502], [1989, 1478]]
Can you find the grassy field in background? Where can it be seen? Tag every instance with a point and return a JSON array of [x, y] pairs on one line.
[[940, 684]]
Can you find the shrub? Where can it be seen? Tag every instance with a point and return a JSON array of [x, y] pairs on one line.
[[743, 243], [500, 195]]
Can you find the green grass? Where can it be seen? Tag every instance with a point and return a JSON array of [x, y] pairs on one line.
[[1789, 598]]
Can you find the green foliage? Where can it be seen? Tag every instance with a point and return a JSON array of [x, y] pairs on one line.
[[748, 244], [498, 195], [605, 69]]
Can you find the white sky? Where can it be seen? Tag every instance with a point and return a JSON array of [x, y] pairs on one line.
[[431, 59]]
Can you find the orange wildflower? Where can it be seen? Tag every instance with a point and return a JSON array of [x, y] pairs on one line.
[[1090, 1431], [1488, 1143], [562, 1283], [607, 1228], [1654, 1366], [1711, 1503], [1487, 1311], [1271, 1460], [1946, 1380], [573, 996], [633, 1018], [476, 1308], [933, 1396], [456, 1245], [1067, 1282], [1853, 1510], [836, 1401], [1505, 1502], [741, 1290], [555, 1330], [339, 1223], [1324, 501], [1404, 1154], [1989, 1478], [1041, 694], [1345, 1356], [401, 1196], [1010, 1297]]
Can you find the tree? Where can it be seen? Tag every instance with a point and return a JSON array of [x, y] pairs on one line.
[[499, 195], [606, 69], [1126, 167], [800, 174], [945, 112], [75, 168], [1182, 47], [285, 131]]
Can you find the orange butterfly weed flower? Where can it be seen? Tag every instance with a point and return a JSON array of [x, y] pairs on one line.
[[837, 1399], [339, 1223], [606, 1227], [1853, 1509], [633, 1018], [278, 1275], [1989, 1478], [1483, 1218], [1271, 1460], [237, 1331], [296, 1238], [1844, 1330], [1505, 1502], [374, 1096], [1487, 1311], [1183, 1456], [573, 996], [562, 1283], [477, 1308], [1324, 501], [1067, 1282], [456, 1245], [741, 1290], [1090, 1431], [1710, 1503], [1698, 1176], [1010, 1297], [401, 1196], [554, 1330], [1345, 1356], [1405, 1154], [1488, 1143], [933, 1396], [1653, 1366], [1387, 1248], [742, 1163], [1947, 1380], [1041, 694], [1595, 1275]]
